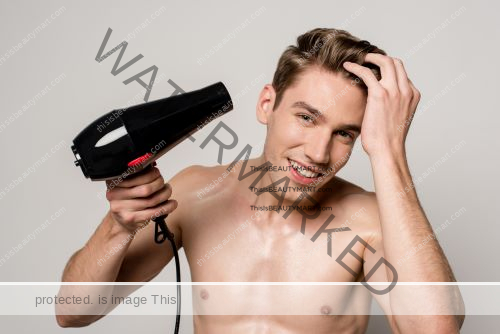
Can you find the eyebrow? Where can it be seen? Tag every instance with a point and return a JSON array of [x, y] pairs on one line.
[[319, 114], [311, 109]]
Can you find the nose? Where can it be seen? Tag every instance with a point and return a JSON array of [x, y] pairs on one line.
[[318, 145]]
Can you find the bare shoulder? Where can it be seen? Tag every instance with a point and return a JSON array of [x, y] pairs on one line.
[[198, 190], [196, 180], [360, 203], [190, 177], [349, 190]]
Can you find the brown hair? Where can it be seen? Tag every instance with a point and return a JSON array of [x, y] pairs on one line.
[[327, 48]]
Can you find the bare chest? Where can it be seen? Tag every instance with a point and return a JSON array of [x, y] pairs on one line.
[[235, 245], [250, 248]]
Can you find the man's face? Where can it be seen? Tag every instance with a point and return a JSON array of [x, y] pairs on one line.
[[314, 127]]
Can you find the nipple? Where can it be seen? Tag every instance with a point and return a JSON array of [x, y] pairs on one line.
[[325, 310], [204, 294]]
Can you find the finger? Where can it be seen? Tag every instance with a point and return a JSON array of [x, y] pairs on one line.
[[143, 177], [416, 95], [387, 69], [365, 74], [140, 191], [164, 208], [402, 78], [141, 204]]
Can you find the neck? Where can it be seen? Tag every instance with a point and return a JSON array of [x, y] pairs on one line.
[[273, 199]]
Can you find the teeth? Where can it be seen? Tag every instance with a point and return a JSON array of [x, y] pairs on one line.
[[303, 171]]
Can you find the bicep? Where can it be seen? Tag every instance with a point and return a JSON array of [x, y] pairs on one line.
[[374, 272]]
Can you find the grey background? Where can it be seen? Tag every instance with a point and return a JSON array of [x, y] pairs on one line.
[[174, 41]]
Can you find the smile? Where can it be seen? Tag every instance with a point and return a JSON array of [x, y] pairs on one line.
[[303, 171]]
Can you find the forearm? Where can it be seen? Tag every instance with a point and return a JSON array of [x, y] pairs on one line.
[[101, 257], [98, 261], [405, 226]]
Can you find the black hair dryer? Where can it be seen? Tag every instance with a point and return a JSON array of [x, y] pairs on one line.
[[125, 141]]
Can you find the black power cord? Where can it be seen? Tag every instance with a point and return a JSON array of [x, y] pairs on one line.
[[161, 234]]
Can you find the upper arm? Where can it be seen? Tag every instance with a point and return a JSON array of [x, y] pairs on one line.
[[377, 269], [374, 268], [378, 273]]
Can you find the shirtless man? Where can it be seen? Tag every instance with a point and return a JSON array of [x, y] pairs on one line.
[[315, 109]]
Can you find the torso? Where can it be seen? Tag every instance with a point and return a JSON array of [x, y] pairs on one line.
[[274, 252]]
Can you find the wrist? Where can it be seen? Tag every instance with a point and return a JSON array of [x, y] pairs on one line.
[[115, 229], [389, 156], [391, 174]]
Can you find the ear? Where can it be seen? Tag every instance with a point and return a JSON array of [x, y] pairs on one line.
[[265, 104]]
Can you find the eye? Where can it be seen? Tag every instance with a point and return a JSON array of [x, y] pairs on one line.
[[306, 118], [345, 134]]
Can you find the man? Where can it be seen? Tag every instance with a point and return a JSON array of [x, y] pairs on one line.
[[327, 91]]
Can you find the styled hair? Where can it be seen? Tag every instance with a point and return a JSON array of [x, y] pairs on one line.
[[327, 48]]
